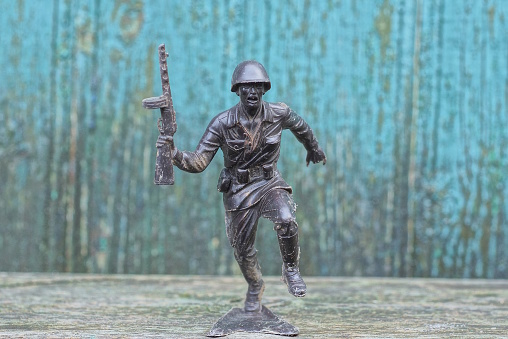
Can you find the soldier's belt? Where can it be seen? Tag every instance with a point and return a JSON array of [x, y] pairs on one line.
[[245, 176]]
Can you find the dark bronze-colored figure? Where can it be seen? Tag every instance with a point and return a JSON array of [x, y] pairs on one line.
[[166, 123], [249, 135]]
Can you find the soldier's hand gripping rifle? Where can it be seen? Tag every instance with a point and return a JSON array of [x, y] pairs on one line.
[[166, 123]]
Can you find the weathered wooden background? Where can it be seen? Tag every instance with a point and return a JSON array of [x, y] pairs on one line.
[[408, 98]]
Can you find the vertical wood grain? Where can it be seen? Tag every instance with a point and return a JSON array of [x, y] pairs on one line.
[[408, 98]]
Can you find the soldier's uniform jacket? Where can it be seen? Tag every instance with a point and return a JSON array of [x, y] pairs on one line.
[[250, 162]]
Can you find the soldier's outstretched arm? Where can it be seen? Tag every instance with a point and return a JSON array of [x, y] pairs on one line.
[[305, 135]]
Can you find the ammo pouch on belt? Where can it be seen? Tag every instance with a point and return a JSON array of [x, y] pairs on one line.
[[244, 176], [224, 183], [268, 171]]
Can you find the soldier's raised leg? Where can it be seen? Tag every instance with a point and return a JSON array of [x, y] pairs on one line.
[[287, 234], [279, 207]]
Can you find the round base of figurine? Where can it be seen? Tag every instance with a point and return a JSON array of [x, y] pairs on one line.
[[237, 320]]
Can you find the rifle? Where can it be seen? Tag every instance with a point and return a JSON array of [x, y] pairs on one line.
[[166, 123]]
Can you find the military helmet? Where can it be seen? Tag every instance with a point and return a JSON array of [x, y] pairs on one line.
[[249, 72]]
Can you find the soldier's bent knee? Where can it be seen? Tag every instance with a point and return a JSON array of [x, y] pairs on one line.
[[286, 229]]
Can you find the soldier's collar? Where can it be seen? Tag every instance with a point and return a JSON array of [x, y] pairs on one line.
[[233, 118]]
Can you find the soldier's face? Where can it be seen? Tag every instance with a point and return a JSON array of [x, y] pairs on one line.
[[251, 95]]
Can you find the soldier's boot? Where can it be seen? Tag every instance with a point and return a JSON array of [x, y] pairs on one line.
[[290, 252], [252, 273]]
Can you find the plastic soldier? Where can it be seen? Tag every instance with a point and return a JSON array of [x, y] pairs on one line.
[[249, 135]]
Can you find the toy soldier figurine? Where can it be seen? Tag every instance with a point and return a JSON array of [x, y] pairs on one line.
[[249, 135]]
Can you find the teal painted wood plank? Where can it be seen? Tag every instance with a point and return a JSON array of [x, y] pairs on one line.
[[407, 97]]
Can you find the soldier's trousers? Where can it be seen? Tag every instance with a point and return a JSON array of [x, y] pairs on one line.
[[241, 226]]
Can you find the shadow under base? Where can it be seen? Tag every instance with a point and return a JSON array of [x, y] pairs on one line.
[[237, 320]]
